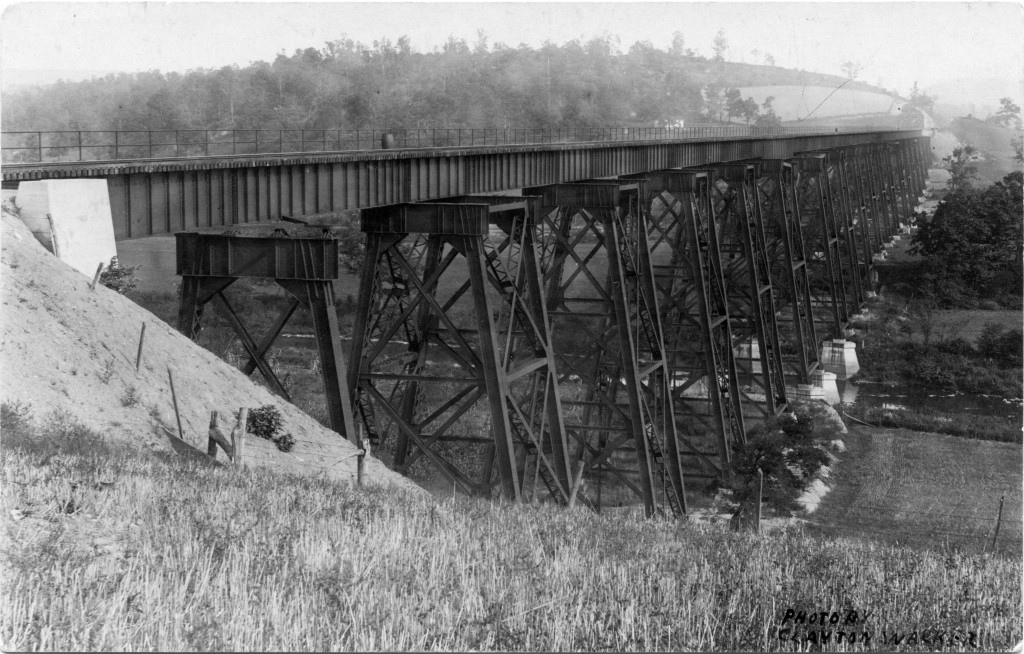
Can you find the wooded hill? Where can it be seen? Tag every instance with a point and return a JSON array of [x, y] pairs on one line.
[[349, 85]]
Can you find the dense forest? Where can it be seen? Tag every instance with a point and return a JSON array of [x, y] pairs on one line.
[[349, 85]]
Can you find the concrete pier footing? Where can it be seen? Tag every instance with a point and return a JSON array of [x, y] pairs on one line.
[[807, 393], [750, 350], [826, 381], [839, 356]]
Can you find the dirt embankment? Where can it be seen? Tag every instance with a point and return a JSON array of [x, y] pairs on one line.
[[69, 349]]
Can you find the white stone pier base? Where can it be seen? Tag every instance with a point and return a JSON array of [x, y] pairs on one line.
[[839, 356], [807, 392], [826, 381], [750, 350]]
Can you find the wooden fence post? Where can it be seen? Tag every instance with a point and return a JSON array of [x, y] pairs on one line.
[[138, 356], [576, 483], [96, 277], [238, 437], [760, 490], [174, 398], [360, 456], [211, 443], [999, 521]]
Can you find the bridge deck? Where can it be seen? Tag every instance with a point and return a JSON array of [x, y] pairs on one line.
[[163, 196]]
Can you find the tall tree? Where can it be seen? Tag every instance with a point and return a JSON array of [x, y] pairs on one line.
[[720, 45]]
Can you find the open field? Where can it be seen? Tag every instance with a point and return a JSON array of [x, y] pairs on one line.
[[109, 547], [969, 324], [924, 489]]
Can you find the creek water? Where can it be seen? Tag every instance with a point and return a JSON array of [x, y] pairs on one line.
[[924, 401]]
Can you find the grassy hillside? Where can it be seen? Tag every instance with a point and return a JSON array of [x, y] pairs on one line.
[[108, 547]]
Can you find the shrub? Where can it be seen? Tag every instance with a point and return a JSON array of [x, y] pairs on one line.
[[119, 278], [266, 422], [1001, 346], [785, 452]]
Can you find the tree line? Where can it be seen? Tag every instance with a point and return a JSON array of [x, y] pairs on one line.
[[349, 85]]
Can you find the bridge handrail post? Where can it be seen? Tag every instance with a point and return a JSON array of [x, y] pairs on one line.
[[177, 152], [80, 145], [206, 142], [117, 145], [149, 138]]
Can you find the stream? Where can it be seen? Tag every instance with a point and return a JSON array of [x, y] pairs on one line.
[[922, 401]]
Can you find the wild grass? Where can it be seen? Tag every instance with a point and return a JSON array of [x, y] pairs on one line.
[[111, 547]]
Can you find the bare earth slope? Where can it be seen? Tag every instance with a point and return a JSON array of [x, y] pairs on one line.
[[66, 348]]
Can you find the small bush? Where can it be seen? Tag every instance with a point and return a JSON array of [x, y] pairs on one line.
[[285, 442], [266, 422], [119, 278]]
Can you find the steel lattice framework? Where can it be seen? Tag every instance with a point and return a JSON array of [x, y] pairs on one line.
[[689, 278], [789, 271], [610, 344], [594, 340], [453, 322]]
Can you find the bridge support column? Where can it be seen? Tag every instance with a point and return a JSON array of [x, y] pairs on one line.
[[776, 196], [748, 283], [305, 265], [451, 335], [695, 315], [828, 294], [603, 305]]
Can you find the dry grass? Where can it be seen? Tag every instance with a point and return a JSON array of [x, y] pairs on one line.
[[110, 548]]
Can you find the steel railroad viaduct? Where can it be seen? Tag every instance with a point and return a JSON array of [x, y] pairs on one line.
[[583, 323]]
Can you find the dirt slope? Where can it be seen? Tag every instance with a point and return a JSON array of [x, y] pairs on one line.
[[66, 348]]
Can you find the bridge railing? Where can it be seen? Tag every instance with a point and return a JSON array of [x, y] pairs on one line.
[[111, 145]]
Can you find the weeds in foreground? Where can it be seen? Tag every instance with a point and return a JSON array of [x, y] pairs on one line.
[[160, 553]]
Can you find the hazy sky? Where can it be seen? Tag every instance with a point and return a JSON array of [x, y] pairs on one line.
[[896, 43]]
